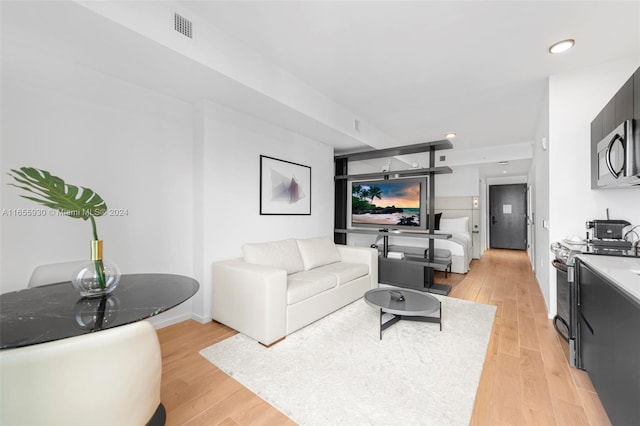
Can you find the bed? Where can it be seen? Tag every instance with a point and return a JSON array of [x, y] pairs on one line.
[[458, 216], [460, 244]]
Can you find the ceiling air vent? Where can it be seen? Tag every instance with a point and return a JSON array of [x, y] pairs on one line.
[[183, 25]]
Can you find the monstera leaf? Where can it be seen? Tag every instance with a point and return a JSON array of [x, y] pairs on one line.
[[51, 191], [70, 200]]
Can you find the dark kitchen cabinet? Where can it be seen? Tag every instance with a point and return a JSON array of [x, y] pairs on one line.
[[609, 117], [597, 129], [636, 101], [595, 318], [624, 103], [636, 94], [609, 333], [618, 109], [596, 136]]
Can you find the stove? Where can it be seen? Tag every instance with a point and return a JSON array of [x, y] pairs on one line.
[[565, 321], [566, 250]]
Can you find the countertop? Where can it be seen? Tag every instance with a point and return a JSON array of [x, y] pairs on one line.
[[619, 270]]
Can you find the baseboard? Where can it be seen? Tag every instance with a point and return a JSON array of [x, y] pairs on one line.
[[165, 322], [200, 318]]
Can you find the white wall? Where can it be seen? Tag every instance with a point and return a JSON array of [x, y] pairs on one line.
[[131, 145], [486, 154], [232, 143], [463, 182], [540, 182], [506, 180], [575, 98], [574, 101]]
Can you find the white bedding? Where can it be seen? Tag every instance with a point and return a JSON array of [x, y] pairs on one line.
[[461, 246], [460, 243]]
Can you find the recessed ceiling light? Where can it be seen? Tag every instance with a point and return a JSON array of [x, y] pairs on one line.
[[504, 171], [450, 135], [562, 46]]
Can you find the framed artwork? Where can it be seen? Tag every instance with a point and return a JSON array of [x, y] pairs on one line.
[[285, 187]]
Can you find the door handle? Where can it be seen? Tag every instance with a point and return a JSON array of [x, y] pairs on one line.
[[493, 220], [607, 154]]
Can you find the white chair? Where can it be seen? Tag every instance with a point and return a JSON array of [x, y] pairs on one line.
[[54, 273], [110, 377]]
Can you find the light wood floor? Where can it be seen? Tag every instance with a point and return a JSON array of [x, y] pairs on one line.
[[526, 379]]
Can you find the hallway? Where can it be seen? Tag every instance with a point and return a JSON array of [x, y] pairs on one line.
[[526, 378]]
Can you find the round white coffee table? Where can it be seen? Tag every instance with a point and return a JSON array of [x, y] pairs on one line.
[[404, 304]]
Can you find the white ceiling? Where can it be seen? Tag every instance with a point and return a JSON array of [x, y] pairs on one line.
[[416, 70]]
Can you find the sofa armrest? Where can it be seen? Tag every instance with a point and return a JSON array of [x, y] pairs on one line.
[[251, 299], [353, 254]]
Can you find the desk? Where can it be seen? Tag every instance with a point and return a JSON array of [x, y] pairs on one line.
[[56, 311]]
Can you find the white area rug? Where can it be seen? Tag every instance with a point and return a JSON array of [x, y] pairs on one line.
[[336, 371]]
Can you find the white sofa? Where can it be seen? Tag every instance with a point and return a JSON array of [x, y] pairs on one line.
[[279, 287]]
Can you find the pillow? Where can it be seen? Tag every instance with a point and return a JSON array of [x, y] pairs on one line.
[[459, 224], [318, 252], [438, 216], [279, 254]]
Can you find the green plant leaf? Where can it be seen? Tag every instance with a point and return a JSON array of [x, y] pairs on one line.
[[51, 191]]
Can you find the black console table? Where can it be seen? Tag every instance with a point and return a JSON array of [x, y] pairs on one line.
[[56, 311]]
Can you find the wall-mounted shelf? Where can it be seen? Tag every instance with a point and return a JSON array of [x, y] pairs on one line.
[[401, 150], [409, 233], [397, 173]]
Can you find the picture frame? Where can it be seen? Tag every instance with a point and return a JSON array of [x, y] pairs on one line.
[[285, 187]]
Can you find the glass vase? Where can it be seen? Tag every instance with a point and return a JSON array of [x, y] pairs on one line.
[[97, 313], [97, 277]]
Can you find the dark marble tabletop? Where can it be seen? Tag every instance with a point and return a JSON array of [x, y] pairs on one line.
[[56, 311]]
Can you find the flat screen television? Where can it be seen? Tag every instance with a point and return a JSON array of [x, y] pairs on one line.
[[390, 204]]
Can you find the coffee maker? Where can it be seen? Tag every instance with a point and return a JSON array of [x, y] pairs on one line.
[[607, 235]]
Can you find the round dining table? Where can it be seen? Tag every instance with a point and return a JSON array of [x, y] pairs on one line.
[[57, 311]]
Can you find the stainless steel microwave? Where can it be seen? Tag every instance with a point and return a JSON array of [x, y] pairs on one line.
[[619, 157]]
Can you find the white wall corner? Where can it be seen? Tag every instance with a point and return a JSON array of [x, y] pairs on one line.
[[200, 305]]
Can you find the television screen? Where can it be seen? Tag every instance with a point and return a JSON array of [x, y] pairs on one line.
[[398, 203]]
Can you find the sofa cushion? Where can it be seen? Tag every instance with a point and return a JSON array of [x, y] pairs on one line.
[[318, 252], [345, 272], [279, 254], [306, 284], [438, 216]]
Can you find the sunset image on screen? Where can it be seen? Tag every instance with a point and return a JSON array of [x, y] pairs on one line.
[[386, 203]]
